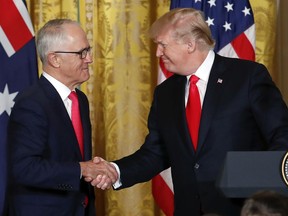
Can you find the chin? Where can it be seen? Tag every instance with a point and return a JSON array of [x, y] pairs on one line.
[[168, 65], [86, 78], [86, 75]]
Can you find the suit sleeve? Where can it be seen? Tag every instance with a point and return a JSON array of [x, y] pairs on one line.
[[150, 159], [269, 109]]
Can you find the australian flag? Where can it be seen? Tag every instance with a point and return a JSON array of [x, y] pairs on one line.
[[232, 26], [18, 69]]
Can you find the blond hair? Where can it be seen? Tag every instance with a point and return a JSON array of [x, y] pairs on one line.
[[184, 24]]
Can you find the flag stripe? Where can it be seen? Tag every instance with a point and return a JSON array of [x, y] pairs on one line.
[[250, 33], [228, 51], [166, 175], [165, 197], [6, 43], [25, 15], [11, 18], [243, 47]]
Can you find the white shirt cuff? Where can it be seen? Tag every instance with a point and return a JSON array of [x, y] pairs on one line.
[[118, 183]]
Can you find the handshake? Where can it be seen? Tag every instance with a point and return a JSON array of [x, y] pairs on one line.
[[99, 173]]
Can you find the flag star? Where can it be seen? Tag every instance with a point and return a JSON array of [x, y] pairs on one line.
[[6, 100], [212, 3], [197, 1], [227, 26], [229, 7], [246, 11], [210, 21]]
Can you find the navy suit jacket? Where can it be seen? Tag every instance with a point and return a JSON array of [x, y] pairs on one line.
[[242, 111], [45, 156]]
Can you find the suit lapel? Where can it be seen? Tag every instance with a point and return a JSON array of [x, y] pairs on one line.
[[210, 104], [84, 111], [57, 106]]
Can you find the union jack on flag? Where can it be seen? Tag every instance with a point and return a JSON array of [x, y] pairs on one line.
[[232, 26], [18, 69]]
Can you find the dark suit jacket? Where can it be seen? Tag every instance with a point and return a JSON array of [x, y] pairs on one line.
[[44, 155], [242, 111]]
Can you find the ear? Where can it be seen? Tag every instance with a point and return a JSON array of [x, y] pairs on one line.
[[53, 60], [191, 46]]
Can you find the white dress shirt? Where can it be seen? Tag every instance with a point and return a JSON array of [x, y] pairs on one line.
[[62, 90], [202, 73]]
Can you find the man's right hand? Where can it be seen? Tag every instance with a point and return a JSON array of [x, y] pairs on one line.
[[99, 173]]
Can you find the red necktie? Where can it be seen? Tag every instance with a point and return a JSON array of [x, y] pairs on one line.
[[77, 124], [76, 120], [193, 110]]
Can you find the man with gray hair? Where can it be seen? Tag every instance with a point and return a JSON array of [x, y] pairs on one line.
[[49, 132]]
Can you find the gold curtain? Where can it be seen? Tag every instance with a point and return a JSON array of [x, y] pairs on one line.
[[123, 76], [282, 45], [120, 90], [265, 22], [43, 10]]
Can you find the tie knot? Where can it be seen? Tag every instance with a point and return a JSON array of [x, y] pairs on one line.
[[194, 79], [73, 96]]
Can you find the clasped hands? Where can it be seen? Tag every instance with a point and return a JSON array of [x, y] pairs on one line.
[[99, 172]]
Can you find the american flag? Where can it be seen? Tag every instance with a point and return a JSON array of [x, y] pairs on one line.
[[233, 28], [18, 69]]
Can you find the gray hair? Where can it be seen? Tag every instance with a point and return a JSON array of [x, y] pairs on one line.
[[50, 36]]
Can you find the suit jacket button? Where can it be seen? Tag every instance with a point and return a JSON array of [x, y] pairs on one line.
[[84, 204], [196, 166]]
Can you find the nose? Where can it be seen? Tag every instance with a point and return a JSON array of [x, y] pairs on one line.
[[159, 51], [89, 57]]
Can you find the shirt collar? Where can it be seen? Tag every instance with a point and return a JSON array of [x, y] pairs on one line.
[[62, 89], [204, 70]]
